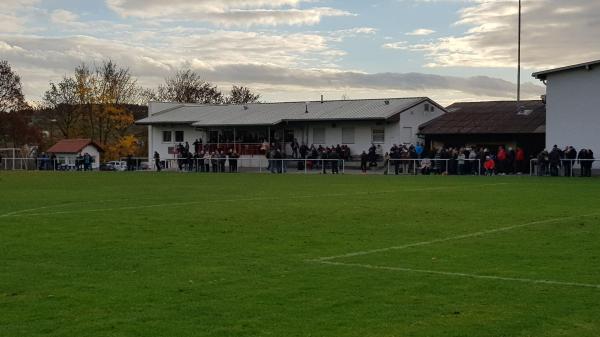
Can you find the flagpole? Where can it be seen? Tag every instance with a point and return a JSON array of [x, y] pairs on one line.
[[519, 64]]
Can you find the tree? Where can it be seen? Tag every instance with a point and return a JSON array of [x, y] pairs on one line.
[[17, 129], [242, 95], [61, 100], [115, 87], [124, 146], [186, 86], [11, 94], [101, 95]]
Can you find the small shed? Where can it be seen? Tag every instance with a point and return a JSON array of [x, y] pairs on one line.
[[67, 151], [489, 124]]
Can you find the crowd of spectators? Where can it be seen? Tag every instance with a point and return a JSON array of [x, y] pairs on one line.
[[201, 161], [400, 159], [409, 158], [551, 163]]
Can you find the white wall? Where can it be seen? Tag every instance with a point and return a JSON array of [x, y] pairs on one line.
[[412, 119], [573, 109], [190, 134], [69, 158]]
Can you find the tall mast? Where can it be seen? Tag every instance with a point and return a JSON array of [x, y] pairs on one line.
[[519, 64]]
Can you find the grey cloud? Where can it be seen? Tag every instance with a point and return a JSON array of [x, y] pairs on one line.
[[555, 33], [226, 13]]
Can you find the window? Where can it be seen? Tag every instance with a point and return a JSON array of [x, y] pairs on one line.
[[378, 135], [407, 135], [426, 107], [347, 135], [167, 136], [432, 108], [319, 136], [179, 136]]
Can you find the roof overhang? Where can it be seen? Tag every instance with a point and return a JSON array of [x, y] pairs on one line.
[[542, 75]]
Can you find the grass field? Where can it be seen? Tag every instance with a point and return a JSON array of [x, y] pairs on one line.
[[147, 254]]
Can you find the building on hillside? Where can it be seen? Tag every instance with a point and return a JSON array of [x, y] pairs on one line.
[[573, 105], [67, 151], [489, 124], [355, 123]]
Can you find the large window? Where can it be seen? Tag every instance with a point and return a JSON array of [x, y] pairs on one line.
[[167, 136], [319, 136], [179, 136], [378, 135], [347, 135]]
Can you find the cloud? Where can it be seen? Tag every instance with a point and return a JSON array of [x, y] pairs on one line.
[[421, 32], [400, 45], [234, 13], [279, 65], [550, 27], [12, 17]]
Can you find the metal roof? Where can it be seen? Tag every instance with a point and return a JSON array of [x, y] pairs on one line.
[[275, 113], [541, 75], [72, 146], [496, 117]]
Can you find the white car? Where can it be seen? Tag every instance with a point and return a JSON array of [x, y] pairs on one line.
[[118, 165]]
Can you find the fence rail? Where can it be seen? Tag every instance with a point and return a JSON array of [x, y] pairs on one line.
[[416, 166], [237, 165]]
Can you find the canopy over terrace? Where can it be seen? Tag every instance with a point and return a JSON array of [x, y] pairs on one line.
[[276, 122]]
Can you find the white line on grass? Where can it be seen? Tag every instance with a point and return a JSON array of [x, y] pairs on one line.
[[474, 276], [19, 212], [179, 204], [450, 238]]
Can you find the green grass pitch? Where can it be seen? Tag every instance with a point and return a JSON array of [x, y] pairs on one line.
[[146, 254]]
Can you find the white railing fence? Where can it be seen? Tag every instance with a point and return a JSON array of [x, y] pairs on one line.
[[439, 166], [259, 165]]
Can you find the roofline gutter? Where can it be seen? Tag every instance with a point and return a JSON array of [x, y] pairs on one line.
[[542, 75]]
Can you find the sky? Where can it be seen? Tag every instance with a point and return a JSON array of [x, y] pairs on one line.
[[296, 50]]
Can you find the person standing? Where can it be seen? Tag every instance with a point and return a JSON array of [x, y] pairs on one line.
[[554, 157], [222, 161], [501, 159], [324, 160], [363, 161], [419, 150], [335, 162], [520, 160], [461, 162], [157, 161], [570, 157]]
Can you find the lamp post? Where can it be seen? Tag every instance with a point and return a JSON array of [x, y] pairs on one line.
[[519, 63]]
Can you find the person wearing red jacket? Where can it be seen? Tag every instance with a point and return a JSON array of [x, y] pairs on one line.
[[489, 166], [520, 160], [501, 157]]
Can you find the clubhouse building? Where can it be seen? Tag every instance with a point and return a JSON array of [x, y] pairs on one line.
[[355, 123]]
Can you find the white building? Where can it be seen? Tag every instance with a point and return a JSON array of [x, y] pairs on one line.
[[67, 151], [573, 105], [355, 123]]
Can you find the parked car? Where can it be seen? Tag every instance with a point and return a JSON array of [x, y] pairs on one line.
[[118, 165], [106, 167]]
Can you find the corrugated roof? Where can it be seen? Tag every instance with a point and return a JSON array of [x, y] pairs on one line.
[[497, 117], [72, 146], [275, 113], [541, 75]]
